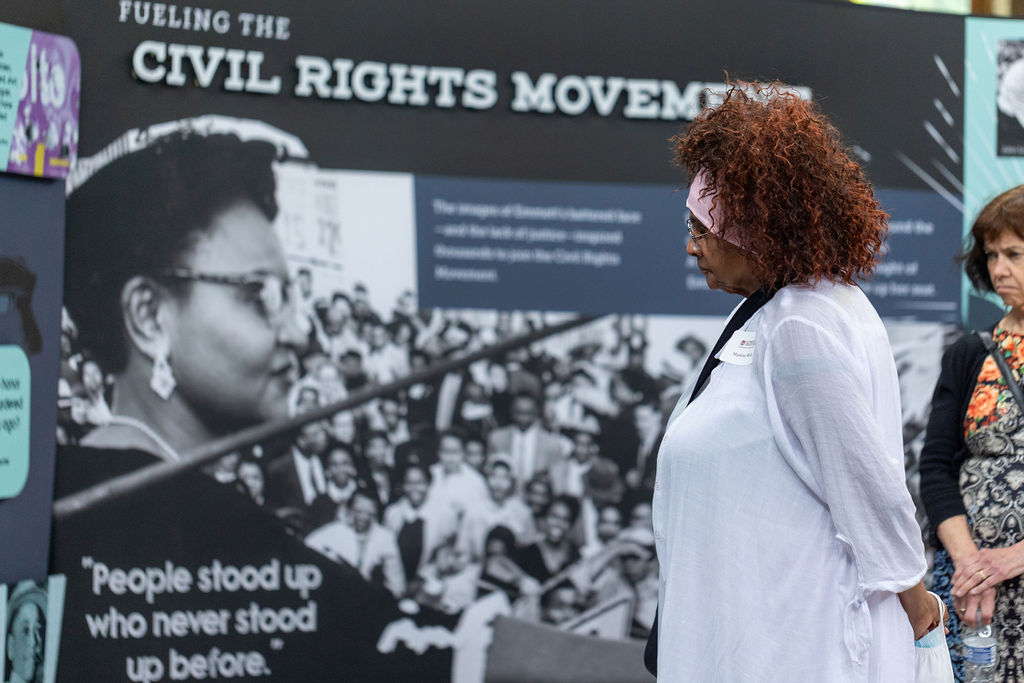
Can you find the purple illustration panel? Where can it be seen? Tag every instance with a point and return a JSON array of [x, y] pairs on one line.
[[44, 140]]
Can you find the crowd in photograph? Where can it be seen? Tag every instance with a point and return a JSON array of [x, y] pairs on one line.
[[529, 471]]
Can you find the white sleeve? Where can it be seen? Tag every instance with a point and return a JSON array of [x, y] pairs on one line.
[[834, 408]]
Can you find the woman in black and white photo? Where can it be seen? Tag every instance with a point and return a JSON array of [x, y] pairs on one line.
[[26, 634], [193, 318]]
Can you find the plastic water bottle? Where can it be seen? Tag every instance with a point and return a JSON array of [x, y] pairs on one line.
[[981, 655]]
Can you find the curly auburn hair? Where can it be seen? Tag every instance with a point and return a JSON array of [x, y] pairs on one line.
[[1003, 214], [782, 181]]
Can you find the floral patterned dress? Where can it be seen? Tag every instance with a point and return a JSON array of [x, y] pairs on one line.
[[992, 486]]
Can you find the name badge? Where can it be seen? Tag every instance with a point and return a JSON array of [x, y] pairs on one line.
[[739, 350]]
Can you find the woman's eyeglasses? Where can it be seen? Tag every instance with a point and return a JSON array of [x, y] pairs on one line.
[[692, 227], [271, 290]]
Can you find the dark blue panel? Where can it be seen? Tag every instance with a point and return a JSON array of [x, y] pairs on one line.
[[602, 248], [918, 278], [587, 247]]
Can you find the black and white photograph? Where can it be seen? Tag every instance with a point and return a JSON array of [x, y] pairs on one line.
[[33, 614], [1010, 98]]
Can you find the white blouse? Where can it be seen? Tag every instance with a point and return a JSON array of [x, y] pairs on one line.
[[783, 524]]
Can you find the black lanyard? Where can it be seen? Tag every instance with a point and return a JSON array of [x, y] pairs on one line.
[[747, 309]]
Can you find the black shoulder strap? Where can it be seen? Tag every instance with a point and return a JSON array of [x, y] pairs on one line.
[[1011, 383], [748, 308]]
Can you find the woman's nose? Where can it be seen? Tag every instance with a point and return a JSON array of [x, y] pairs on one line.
[[691, 247], [998, 267]]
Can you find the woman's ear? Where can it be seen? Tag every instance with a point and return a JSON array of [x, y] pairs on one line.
[[144, 310]]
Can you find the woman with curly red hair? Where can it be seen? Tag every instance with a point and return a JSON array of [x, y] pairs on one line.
[[786, 535]]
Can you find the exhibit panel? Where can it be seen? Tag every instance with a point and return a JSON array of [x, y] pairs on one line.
[[321, 262], [40, 79]]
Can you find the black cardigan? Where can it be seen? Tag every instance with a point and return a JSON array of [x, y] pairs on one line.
[[944, 448]]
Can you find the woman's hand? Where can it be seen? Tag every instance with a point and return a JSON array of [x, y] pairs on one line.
[[986, 569], [922, 609], [967, 607]]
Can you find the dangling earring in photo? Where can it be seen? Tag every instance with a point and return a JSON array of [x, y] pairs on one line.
[[162, 380]]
